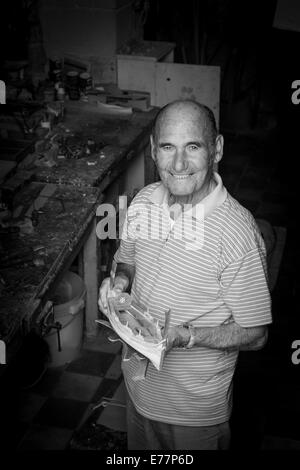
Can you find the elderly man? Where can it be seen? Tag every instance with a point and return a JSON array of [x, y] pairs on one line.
[[214, 283]]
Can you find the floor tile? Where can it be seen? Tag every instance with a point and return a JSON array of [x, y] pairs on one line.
[[74, 386], [48, 382], [120, 393], [113, 416], [45, 438], [61, 412], [91, 363], [114, 372], [101, 343], [29, 405], [107, 388]]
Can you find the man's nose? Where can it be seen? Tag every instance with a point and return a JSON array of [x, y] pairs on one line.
[[179, 163]]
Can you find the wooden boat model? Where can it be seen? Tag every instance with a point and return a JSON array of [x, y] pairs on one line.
[[137, 328]]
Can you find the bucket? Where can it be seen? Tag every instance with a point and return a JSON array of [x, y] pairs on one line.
[[72, 83], [68, 307]]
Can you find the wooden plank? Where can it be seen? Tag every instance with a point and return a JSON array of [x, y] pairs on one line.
[[185, 81]]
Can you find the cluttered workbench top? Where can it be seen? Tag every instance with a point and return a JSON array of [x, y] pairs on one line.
[[80, 144], [51, 223], [51, 182], [89, 143]]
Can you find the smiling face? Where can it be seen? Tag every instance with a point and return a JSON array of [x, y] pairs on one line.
[[183, 151]]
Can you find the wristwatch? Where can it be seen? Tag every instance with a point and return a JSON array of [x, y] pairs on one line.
[[192, 332]]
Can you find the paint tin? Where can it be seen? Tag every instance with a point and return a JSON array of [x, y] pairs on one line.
[[72, 85], [72, 77], [85, 81]]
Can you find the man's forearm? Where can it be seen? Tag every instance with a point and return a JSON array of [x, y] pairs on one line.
[[229, 336], [126, 271]]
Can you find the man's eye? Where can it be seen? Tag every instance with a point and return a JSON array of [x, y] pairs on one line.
[[193, 148], [167, 148]]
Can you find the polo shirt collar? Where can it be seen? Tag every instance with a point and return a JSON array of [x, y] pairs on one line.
[[160, 196]]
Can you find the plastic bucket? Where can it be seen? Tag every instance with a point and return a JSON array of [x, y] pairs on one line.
[[69, 303]]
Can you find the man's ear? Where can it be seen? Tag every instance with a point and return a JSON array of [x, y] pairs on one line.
[[219, 148], [153, 147]]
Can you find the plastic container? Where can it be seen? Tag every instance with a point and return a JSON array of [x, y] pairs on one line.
[[69, 303]]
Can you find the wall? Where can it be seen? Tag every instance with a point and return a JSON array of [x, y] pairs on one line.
[[88, 29]]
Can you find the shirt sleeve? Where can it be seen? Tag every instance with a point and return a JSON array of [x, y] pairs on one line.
[[245, 289]]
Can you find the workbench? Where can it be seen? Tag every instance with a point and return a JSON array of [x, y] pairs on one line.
[[67, 196]]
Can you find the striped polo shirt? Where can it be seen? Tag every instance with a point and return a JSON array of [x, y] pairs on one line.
[[209, 267]]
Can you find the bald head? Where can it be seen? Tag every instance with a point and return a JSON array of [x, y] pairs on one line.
[[187, 110]]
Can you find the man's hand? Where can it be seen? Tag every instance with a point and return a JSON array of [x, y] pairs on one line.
[[120, 285]]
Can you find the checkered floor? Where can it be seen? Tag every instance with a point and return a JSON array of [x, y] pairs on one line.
[[50, 411], [267, 384]]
